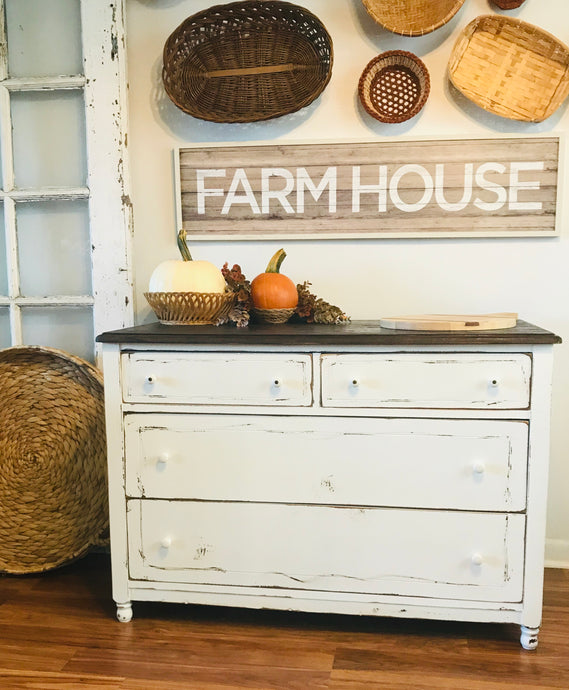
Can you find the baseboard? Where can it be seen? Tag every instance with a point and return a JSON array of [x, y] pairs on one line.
[[557, 553]]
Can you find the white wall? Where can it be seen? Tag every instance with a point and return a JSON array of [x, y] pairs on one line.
[[367, 278]]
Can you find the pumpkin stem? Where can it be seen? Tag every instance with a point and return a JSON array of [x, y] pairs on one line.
[[274, 264], [183, 247]]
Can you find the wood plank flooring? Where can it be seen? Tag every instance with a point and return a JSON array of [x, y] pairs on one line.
[[58, 631]]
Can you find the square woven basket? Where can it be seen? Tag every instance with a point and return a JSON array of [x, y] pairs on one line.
[[510, 68]]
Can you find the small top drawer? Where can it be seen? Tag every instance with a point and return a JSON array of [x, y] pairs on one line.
[[217, 378], [425, 380]]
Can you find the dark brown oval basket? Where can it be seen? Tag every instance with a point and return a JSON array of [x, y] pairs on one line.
[[53, 459], [394, 86], [247, 61]]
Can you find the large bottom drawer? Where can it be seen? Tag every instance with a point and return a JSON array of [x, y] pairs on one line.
[[471, 556]]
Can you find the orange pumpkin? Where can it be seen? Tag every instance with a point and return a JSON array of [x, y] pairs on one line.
[[273, 290]]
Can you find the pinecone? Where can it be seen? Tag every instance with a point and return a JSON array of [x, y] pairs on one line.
[[236, 281]]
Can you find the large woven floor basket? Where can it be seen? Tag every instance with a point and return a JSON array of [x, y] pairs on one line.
[[53, 486], [247, 61], [412, 17]]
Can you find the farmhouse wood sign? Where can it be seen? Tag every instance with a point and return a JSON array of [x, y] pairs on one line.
[[502, 187]]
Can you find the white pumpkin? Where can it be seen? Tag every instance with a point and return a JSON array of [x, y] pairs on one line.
[[186, 275]]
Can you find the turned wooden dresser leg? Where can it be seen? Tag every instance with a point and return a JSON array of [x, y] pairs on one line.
[[124, 612], [528, 638]]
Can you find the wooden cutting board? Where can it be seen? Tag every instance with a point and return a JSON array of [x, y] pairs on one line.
[[450, 322]]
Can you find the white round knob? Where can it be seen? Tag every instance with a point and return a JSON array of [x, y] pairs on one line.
[[355, 383], [479, 467], [151, 379], [277, 383], [476, 559], [494, 383], [166, 542], [162, 459]]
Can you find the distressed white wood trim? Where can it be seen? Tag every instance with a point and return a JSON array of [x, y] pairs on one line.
[[538, 466], [63, 300], [110, 207], [73, 81], [47, 194]]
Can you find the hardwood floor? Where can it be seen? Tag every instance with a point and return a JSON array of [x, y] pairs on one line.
[[58, 632]]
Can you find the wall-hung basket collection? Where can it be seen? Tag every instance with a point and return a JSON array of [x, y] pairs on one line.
[[259, 59], [247, 61]]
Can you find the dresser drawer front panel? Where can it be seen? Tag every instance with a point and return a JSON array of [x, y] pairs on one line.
[[218, 378], [463, 464], [455, 380], [473, 556]]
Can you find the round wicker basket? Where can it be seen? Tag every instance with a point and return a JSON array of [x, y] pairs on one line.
[[273, 315], [394, 86], [412, 17], [190, 308], [247, 61], [508, 4], [53, 477]]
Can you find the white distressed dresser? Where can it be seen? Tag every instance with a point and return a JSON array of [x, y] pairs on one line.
[[347, 469]]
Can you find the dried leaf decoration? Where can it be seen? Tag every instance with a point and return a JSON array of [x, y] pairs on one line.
[[313, 309]]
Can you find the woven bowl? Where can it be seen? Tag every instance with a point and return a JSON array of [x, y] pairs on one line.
[[412, 17], [508, 4], [247, 61], [53, 476], [273, 315], [190, 308], [394, 86]]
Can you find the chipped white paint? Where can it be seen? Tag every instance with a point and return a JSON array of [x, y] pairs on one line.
[[110, 207], [331, 508], [104, 86]]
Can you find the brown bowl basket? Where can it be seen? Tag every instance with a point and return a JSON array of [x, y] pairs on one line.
[[247, 61], [510, 68], [412, 17], [508, 4], [190, 308], [394, 86], [53, 459]]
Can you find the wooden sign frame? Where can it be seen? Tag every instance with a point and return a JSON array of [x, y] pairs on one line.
[[476, 187]]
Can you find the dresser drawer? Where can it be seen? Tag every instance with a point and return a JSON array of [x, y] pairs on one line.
[[476, 556], [421, 380], [218, 378], [428, 463]]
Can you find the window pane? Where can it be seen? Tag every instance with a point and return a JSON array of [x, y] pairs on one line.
[[66, 328], [44, 38], [4, 327], [49, 139], [3, 258], [54, 248]]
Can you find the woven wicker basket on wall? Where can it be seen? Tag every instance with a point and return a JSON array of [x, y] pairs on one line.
[[53, 473], [510, 68], [412, 17], [247, 61], [394, 86]]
